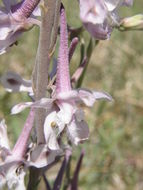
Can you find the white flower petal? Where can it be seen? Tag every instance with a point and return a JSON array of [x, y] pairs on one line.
[[4, 142], [4, 32], [69, 95], [101, 95], [20, 107], [45, 103], [89, 97], [49, 132], [86, 96], [66, 111], [77, 131], [41, 156], [10, 175]]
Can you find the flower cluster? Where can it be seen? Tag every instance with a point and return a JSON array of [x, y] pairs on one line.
[[63, 112]]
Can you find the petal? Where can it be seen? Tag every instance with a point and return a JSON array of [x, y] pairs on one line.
[[89, 97], [101, 95], [42, 156], [86, 96], [112, 4], [13, 82], [14, 178], [37, 11], [4, 142], [98, 31], [69, 95], [45, 103], [77, 131], [4, 33], [128, 2], [93, 11], [66, 111], [49, 133], [8, 42], [20, 107]]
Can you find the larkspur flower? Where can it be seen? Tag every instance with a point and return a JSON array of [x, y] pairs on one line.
[[13, 162], [99, 17], [15, 18], [63, 113]]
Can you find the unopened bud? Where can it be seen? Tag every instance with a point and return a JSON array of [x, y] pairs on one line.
[[132, 23]]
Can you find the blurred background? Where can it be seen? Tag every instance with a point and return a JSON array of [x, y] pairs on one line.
[[114, 155]]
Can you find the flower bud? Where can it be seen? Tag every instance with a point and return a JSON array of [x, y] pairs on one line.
[[132, 23]]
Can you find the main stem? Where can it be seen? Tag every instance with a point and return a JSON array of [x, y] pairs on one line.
[[43, 61], [40, 78]]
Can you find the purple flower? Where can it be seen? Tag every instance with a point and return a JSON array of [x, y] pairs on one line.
[[63, 112], [14, 20], [13, 162], [99, 17]]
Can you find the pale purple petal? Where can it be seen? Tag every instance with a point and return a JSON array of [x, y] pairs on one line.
[[41, 156], [45, 103], [128, 2], [89, 97], [101, 95], [13, 82], [77, 131], [69, 95], [86, 97], [20, 107]]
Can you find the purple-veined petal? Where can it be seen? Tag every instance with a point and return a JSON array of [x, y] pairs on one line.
[[13, 82], [77, 131], [49, 131]]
